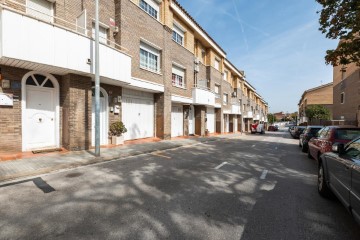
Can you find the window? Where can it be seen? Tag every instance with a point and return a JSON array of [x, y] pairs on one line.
[[178, 76], [102, 33], [353, 150], [225, 99], [217, 64], [217, 91], [347, 134], [178, 34], [342, 98], [226, 75], [150, 7], [41, 9], [149, 58]]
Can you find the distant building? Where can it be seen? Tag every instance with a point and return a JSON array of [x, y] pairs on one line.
[[321, 95], [279, 116], [346, 90]]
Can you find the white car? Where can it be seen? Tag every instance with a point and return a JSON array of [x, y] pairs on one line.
[[257, 128]]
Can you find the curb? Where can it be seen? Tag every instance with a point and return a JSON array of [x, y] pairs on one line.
[[95, 160]]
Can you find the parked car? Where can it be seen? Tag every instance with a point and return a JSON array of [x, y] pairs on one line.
[[272, 128], [339, 174], [296, 131], [257, 128], [309, 132], [328, 136]]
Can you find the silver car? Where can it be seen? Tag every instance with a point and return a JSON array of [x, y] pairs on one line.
[[339, 174]]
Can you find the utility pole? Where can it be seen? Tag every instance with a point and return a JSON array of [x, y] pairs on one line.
[[97, 82]]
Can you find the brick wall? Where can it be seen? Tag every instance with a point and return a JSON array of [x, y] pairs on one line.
[[351, 88], [136, 24], [10, 117], [77, 103], [182, 56]]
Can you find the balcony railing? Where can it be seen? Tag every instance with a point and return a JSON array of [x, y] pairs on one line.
[[56, 43], [203, 96]]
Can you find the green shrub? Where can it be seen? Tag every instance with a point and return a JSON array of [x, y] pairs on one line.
[[117, 128]]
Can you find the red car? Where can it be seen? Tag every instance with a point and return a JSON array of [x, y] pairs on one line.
[[329, 135]]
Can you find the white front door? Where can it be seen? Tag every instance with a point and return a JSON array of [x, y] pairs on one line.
[[40, 118], [104, 123], [235, 124], [210, 117], [191, 120], [177, 121]]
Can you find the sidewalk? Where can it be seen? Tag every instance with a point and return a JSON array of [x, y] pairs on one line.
[[45, 163]]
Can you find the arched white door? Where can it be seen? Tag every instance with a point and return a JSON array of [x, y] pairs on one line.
[[104, 118], [40, 111]]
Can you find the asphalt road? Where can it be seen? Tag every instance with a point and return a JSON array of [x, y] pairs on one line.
[[255, 187]]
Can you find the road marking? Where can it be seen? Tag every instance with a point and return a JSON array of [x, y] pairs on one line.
[[276, 148], [253, 145], [263, 175], [159, 155], [224, 163]]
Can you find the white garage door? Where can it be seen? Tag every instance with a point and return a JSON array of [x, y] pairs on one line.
[[138, 114], [177, 121], [210, 116]]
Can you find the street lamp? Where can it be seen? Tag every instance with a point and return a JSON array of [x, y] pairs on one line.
[[97, 82]]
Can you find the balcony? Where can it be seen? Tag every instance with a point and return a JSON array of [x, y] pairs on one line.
[[257, 117], [235, 109], [203, 96], [248, 114], [35, 44]]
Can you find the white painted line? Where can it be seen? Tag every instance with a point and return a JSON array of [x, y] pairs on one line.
[[263, 175], [224, 163], [276, 148], [253, 145]]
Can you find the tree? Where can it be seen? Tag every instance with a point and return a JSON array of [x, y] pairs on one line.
[[271, 118], [340, 19], [317, 112]]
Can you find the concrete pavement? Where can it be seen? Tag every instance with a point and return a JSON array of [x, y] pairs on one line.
[[40, 164]]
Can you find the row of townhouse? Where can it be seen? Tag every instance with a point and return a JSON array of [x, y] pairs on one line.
[[160, 73]]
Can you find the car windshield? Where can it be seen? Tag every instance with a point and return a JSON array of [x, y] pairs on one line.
[[313, 131], [347, 134]]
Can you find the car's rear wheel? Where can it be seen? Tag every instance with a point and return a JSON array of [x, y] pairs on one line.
[[323, 188], [304, 148], [309, 154]]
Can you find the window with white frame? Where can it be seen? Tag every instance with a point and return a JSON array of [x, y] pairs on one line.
[[217, 64], [178, 34], [225, 98], [226, 75], [102, 33], [41, 9], [217, 91], [178, 76], [342, 98], [149, 58], [151, 7]]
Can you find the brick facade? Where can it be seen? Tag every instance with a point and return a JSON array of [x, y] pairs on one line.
[[134, 27]]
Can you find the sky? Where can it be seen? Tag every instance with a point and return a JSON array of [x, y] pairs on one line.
[[276, 42]]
